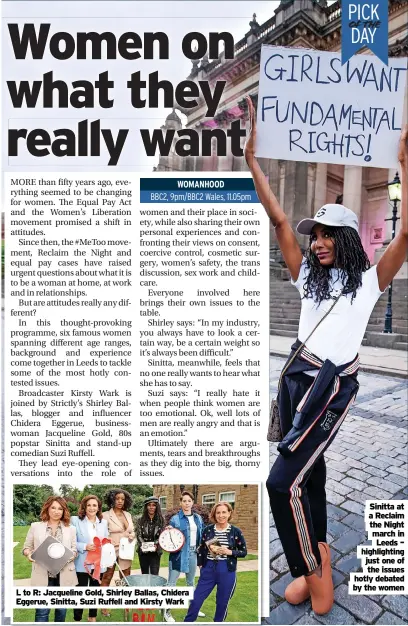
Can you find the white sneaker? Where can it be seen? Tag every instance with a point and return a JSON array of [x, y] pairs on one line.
[[201, 614], [167, 616]]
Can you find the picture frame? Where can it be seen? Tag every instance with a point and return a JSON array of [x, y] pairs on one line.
[[376, 234]]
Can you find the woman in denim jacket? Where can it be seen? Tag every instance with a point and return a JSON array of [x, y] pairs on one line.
[[221, 545], [185, 560]]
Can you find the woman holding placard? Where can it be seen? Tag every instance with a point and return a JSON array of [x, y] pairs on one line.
[[55, 522], [319, 381]]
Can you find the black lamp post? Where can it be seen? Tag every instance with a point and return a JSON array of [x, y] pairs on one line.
[[394, 194]]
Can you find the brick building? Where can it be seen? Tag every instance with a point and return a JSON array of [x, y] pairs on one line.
[[243, 499]]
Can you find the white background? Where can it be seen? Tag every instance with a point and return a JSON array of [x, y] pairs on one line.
[[174, 18], [235, 284]]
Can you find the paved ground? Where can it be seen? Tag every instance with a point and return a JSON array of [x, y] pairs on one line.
[[382, 360], [367, 460]]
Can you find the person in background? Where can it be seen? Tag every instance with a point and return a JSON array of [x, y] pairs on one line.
[[319, 382], [120, 524], [88, 525], [55, 522], [148, 528], [185, 560], [221, 545]]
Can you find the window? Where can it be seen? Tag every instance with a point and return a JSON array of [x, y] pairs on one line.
[[208, 499], [162, 502], [228, 496]]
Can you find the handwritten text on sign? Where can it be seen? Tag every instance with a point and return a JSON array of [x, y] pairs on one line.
[[311, 108]]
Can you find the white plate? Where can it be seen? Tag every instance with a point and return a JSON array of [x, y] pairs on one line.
[[56, 550]]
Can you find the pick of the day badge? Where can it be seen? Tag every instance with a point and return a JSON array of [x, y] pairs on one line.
[[364, 24]]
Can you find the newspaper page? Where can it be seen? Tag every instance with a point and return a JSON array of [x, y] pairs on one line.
[[204, 278]]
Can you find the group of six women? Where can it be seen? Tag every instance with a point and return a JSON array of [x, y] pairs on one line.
[[214, 549]]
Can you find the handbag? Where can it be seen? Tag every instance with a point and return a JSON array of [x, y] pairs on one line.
[[127, 549], [108, 556], [274, 434], [92, 563]]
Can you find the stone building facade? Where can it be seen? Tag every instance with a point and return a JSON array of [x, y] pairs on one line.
[[243, 498], [300, 187]]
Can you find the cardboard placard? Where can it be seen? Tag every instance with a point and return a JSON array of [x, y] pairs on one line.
[[313, 109]]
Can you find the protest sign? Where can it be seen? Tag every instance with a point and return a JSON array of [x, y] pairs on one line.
[[311, 108]]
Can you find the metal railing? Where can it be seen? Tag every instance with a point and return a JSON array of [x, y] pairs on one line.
[[334, 11]]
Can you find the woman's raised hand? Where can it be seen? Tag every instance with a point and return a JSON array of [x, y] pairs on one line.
[[403, 147], [288, 243], [250, 144], [90, 547], [396, 252]]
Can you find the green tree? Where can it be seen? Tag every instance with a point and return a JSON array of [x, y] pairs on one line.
[[138, 493], [29, 499], [65, 490], [71, 494]]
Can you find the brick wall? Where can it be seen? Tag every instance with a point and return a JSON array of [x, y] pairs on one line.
[[245, 514], [170, 492]]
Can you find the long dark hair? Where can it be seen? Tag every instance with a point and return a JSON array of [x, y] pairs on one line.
[[350, 259], [111, 495], [157, 518]]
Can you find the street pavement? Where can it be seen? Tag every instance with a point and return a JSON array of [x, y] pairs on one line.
[[366, 461]]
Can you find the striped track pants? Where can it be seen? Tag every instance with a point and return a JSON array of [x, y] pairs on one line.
[[296, 483], [213, 574]]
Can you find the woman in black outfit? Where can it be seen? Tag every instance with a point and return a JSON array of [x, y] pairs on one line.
[[148, 528], [319, 382]]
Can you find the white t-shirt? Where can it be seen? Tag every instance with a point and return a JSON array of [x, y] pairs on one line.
[[92, 532], [193, 530], [339, 336]]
